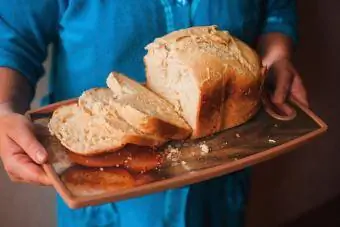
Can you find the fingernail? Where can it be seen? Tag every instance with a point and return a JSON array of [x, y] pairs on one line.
[[41, 156]]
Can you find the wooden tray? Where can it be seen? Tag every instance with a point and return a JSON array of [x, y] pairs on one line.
[[264, 137]]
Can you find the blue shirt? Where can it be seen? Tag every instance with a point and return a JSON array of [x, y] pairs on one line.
[[91, 38]]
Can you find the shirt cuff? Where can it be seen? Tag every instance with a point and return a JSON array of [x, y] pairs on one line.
[[25, 67], [275, 24]]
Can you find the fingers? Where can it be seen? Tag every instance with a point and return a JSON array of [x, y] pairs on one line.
[[22, 169], [283, 80], [31, 174], [24, 137], [299, 92], [25, 170], [282, 83], [287, 83], [19, 165]]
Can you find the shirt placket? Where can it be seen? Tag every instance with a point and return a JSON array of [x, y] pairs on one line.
[[179, 13]]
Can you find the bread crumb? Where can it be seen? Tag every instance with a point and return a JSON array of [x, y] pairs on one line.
[[272, 141], [226, 142], [101, 169], [238, 135], [184, 165], [173, 154], [204, 148]]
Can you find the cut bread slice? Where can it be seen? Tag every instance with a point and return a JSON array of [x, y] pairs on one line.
[[102, 101], [145, 110], [133, 157], [87, 134], [82, 181]]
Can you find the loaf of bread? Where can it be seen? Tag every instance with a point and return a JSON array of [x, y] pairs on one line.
[[200, 81], [213, 79]]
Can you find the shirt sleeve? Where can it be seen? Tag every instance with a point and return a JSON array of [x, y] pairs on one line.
[[281, 17], [26, 29]]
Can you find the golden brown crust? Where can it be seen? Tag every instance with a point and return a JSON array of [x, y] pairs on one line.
[[143, 140], [135, 158], [243, 99], [97, 151], [160, 128], [82, 181], [209, 119], [112, 159], [242, 118], [144, 178]]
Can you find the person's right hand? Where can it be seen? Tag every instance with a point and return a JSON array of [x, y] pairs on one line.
[[20, 151]]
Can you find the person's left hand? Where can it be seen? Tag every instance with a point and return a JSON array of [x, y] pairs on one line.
[[287, 83]]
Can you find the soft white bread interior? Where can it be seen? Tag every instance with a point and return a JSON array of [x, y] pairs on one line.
[[99, 101], [145, 110], [213, 79], [87, 134]]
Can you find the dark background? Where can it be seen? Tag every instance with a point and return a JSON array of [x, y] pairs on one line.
[[284, 188], [308, 177]]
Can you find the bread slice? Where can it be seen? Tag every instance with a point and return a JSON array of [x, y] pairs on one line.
[[87, 134], [213, 79], [133, 157], [145, 110], [82, 181]]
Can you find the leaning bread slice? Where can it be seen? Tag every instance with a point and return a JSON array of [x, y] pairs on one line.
[[102, 101], [87, 134], [145, 110]]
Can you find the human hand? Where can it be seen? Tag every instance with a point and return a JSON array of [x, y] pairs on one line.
[[20, 151], [286, 82]]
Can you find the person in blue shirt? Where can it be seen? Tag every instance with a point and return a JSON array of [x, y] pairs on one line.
[[92, 38]]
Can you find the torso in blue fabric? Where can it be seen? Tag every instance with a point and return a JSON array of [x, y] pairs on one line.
[[94, 37], [97, 37]]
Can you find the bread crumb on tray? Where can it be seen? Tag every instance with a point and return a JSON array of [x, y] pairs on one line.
[[173, 154], [205, 149], [271, 141]]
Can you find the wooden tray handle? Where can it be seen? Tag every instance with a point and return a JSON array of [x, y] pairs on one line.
[[278, 112]]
